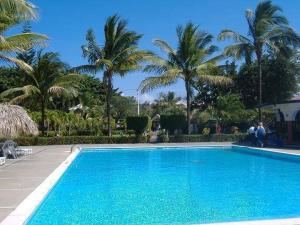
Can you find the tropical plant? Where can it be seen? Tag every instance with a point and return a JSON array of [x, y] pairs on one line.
[[48, 79], [268, 31], [169, 98], [188, 62], [18, 10], [168, 104], [207, 93], [118, 55], [12, 13], [281, 69], [230, 110]]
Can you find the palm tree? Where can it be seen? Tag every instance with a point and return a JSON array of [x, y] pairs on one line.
[[17, 10], [268, 31], [168, 99], [118, 55], [48, 79], [12, 13], [189, 62]]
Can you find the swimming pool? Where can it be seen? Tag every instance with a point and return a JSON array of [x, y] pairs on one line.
[[173, 186]]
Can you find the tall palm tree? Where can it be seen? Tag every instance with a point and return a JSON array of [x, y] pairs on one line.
[[268, 31], [12, 13], [189, 62], [47, 79], [118, 55]]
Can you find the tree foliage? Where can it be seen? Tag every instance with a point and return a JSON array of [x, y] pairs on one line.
[[189, 62], [118, 55], [279, 81], [47, 80], [139, 124], [268, 31]]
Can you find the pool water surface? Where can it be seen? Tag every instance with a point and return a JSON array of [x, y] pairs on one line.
[[172, 186]]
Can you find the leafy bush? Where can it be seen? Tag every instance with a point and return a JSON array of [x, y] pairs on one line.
[[163, 137], [29, 141], [139, 124], [206, 131], [208, 138], [173, 122]]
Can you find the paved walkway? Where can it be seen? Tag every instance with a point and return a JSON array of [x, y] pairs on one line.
[[18, 178]]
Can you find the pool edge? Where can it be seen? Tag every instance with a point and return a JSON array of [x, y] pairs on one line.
[[25, 209]]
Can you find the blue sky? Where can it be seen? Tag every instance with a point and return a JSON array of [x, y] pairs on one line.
[[66, 23]]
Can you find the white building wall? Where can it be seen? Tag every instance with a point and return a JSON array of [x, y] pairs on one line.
[[289, 110]]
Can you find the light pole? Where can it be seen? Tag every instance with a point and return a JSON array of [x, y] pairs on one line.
[[137, 99]]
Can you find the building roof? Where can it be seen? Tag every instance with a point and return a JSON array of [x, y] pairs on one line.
[[295, 99]]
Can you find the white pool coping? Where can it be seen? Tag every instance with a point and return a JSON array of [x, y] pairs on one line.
[[27, 207]]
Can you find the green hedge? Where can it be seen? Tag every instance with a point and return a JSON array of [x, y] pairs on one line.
[[29, 141], [173, 122], [138, 123], [208, 138]]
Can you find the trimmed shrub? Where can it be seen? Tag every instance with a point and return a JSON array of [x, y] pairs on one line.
[[29, 141], [208, 138], [163, 138], [139, 124], [173, 122]]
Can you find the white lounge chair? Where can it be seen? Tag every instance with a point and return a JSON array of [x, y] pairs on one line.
[[23, 151], [2, 161], [10, 148]]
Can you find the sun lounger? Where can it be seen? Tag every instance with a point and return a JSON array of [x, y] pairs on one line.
[[23, 151], [2, 161], [10, 148]]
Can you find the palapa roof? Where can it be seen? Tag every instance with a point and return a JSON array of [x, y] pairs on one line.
[[14, 122]]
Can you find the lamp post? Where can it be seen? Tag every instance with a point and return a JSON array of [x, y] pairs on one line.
[[137, 99]]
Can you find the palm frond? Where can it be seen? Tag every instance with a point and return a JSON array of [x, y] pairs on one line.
[[21, 42], [163, 46], [215, 80], [239, 50], [229, 34], [17, 62], [92, 69], [20, 9], [152, 83]]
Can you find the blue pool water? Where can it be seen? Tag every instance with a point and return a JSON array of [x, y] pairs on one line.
[[172, 186]]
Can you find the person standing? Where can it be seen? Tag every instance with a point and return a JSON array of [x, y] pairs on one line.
[[252, 135], [260, 133]]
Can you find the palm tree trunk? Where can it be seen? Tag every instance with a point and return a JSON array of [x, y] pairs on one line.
[[108, 104], [188, 106], [259, 61], [43, 116]]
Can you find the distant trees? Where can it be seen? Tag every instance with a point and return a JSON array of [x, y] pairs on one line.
[[226, 93], [279, 81], [47, 79], [168, 104], [268, 30]]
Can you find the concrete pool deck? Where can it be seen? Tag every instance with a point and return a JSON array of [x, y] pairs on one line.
[[18, 178]]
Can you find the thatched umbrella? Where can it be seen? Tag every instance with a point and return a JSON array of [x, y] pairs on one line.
[[14, 122]]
